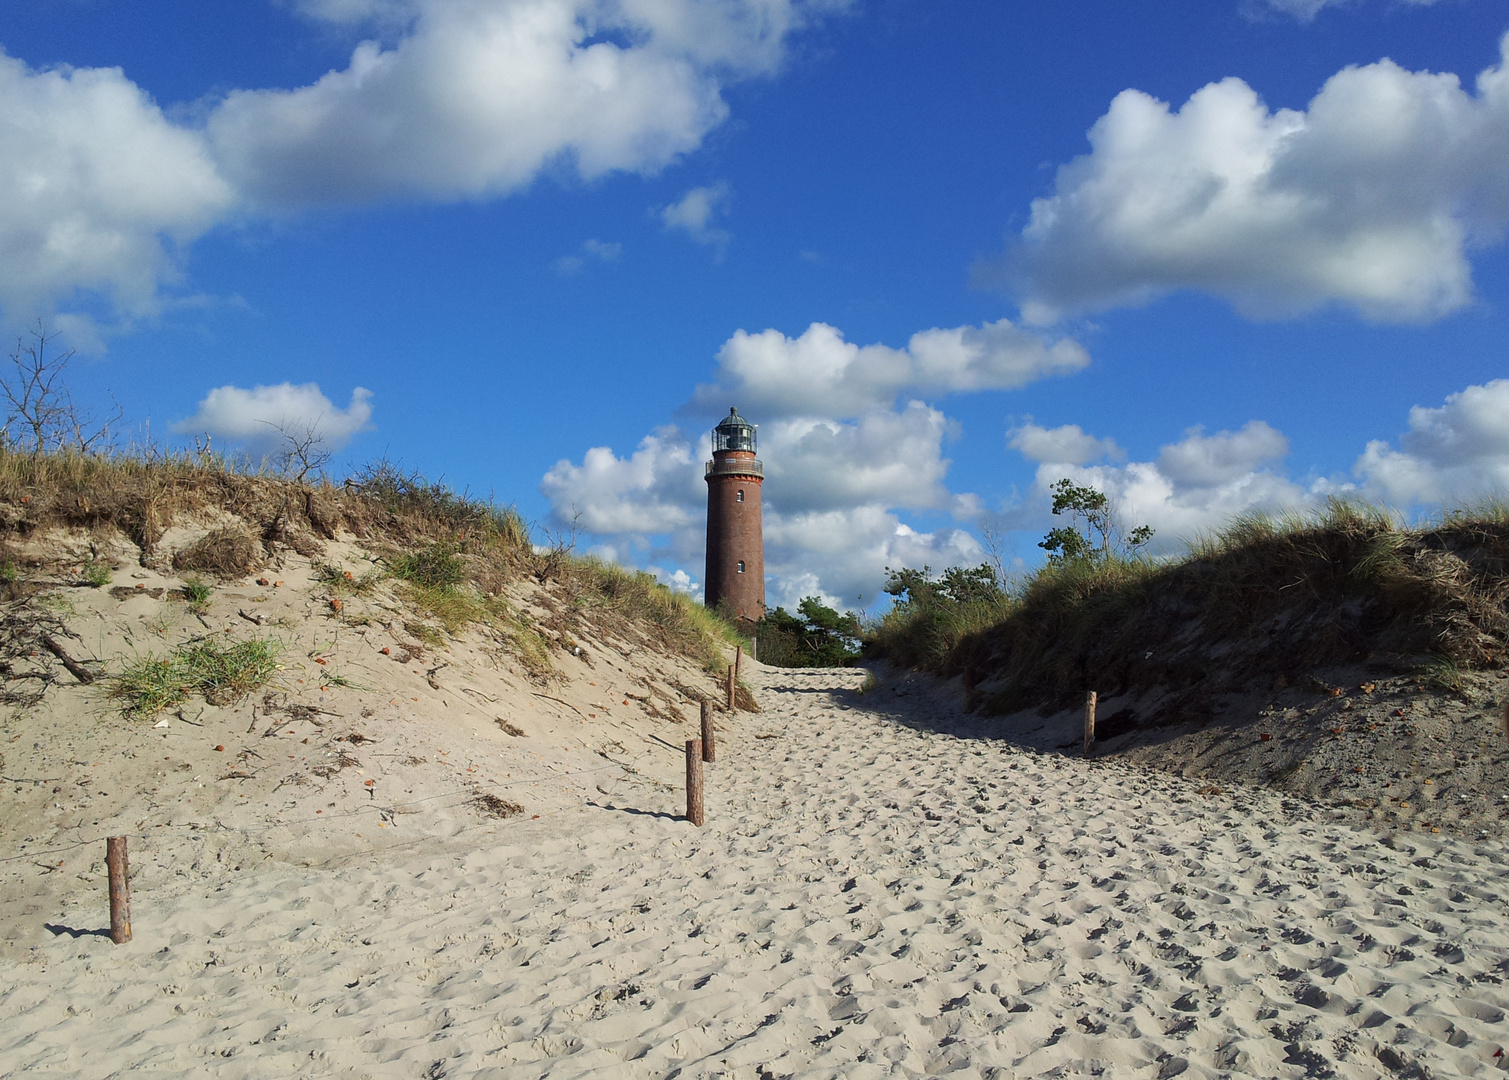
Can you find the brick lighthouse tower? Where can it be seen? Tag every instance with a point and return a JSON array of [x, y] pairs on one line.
[[735, 546]]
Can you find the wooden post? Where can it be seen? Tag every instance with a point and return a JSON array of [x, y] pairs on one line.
[[738, 662], [754, 648], [1089, 721], [730, 688], [709, 747], [120, 890], [694, 781]]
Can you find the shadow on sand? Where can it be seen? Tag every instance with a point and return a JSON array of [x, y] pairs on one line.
[[630, 810], [58, 930]]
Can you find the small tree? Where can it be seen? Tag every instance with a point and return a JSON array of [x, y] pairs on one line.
[[303, 449], [41, 414], [1094, 531], [956, 585]]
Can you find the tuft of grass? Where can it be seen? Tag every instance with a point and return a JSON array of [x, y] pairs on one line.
[[96, 574], [220, 674], [425, 634], [197, 593], [435, 567], [453, 608], [1443, 673], [870, 684]]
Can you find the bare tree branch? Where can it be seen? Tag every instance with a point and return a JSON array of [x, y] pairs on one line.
[[41, 414], [304, 448]]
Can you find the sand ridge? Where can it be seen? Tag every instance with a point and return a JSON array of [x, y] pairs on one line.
[[872, 896]]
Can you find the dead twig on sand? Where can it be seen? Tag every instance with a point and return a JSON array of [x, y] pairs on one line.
[[76, 669], [568, 704]]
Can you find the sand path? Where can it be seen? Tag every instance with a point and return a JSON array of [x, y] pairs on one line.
[[872, 896]]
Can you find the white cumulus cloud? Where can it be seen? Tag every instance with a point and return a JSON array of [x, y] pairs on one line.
[[819, 373], [460, 100], [1456, 452], [480, 96], [1368, 199], [842, 555], [257, 419], [1196, 484], [892, 459], [1201, 460], [99, 191], [1068, 444], [657, 489]]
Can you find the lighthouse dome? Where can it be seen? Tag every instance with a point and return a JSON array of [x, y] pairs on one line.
[[734, 433]]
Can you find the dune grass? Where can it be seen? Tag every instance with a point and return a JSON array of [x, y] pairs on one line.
[[221, 673], [1266, 596], [452, 555]]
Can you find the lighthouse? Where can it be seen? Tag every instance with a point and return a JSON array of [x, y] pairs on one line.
[[735, 547]]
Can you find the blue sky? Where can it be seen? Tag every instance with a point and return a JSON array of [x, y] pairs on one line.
[[1213, 256]]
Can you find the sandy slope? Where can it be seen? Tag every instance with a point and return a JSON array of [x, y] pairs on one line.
[[1392, 748], [872, 896], [367, 739]]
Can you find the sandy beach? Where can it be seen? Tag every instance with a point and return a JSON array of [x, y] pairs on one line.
[[873, 895]]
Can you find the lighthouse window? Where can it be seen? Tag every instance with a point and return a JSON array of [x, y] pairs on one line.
[[741, 566], [740, 496]]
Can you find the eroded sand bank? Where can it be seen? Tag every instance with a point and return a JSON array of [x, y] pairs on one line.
[[871, 896]]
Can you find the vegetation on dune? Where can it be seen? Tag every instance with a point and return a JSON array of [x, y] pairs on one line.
[[454, 557], [634, 603], [451, 555], [1265, 598], [816, 636], [221, 673], [932, 615]]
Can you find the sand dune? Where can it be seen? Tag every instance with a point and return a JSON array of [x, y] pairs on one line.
[[871, 896]]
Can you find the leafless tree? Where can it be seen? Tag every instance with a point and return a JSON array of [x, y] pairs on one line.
[[41, 414], [303, 450], [555, 553], [994, 536]]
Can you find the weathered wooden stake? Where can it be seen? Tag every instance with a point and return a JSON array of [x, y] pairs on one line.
[[754, 648], [1089, 721], [709, 747], [731, 688], [738, 661], [694, 781], [120, 891]]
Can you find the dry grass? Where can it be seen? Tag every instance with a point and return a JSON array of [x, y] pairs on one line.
[[142, 494], [227, 553], [1264, 598], [632, 603], [453, 556]]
